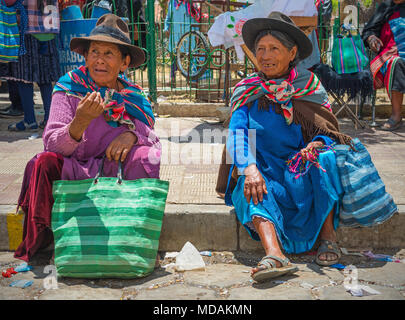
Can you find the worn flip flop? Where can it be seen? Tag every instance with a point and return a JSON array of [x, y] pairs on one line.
[[328, 246], [391, 125], [271, 271]]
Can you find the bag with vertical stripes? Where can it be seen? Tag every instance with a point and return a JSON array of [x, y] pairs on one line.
[[348, 53], [9, 33], [107, 227], [365, 201]]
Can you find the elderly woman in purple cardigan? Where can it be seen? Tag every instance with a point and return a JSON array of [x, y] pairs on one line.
[[96, 112]]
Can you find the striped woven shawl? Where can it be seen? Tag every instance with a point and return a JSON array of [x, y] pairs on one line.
[[300, 84], [120, 105]]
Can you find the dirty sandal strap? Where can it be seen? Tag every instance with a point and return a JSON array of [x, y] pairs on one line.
[[391, 125], [327, 246], [284, 262], [270, 271]]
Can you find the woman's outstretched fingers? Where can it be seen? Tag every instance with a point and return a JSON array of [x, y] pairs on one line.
[[247, 193], [124, 154], [253, 190], [264, 187], [108, 152]]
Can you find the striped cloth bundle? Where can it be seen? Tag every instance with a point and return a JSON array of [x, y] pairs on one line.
[[365, 201], [9, 33], [105, 229]]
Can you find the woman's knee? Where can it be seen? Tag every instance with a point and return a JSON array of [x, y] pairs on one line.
[[143, 159], [49, 161]]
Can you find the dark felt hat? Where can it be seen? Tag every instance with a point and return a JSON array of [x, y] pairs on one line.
[[279, 22], [112, 29]]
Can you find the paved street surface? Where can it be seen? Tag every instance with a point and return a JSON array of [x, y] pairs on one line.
[[226, 276]]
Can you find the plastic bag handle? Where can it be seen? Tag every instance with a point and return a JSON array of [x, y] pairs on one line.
[[100, 171]]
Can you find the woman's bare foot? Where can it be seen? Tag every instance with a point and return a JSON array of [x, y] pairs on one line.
[[328, 233]]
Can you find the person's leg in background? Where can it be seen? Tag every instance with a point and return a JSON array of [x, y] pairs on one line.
[[26, 91], [46, 95], [396, 101], [15, 109]]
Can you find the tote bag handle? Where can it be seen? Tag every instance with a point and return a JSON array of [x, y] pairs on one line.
[[100, 171]]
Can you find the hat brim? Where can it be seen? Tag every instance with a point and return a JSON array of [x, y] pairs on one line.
[[78, 45], [253, 27]]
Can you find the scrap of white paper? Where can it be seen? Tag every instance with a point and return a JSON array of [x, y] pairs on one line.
[[362, 290]]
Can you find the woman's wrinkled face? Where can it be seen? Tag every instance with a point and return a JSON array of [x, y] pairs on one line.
[[273, 57], [104, 62]]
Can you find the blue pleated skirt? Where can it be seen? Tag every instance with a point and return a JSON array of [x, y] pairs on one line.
[[40, 64]]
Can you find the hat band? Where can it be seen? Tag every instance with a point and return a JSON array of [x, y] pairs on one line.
[[110, 32]]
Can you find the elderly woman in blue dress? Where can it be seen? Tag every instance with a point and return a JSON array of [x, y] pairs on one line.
[[283, 181]]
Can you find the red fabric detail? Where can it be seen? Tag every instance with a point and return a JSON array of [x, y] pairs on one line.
[[389, 50], [36, 201]]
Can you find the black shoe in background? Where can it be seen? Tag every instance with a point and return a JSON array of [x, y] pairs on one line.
[[4, 87], [11, 112]]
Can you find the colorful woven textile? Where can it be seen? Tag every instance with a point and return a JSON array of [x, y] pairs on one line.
[[103, 229], [42, 19], [349, 54], [131, 100], [298, 85], [387, 23], [365, 202], [9, 33], [191, 8]]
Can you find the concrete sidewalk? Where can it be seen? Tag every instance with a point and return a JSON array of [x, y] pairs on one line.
[[194, 213]]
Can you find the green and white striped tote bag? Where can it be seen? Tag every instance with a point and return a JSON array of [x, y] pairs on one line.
[[107, 227]]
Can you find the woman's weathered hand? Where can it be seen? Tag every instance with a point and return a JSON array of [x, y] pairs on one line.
[[90, 107], [313, 144], [255, 186], [374, 43], [121, 146]]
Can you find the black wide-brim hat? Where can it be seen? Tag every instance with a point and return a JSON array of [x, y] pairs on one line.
[[112, 29], [279, 22]]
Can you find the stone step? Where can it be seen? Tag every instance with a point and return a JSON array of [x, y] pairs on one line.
[[215, 227]]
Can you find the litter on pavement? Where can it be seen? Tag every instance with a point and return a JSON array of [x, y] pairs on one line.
[[21, 283], [306, 285], [8, 273], [189, 259], [362, 290], [23, 267], [347, 253], [381, 257], [171, 254]]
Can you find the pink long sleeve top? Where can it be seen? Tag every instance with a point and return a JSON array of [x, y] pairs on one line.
[[82, 158]]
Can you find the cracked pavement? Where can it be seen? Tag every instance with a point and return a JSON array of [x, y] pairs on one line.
[[226, 277]]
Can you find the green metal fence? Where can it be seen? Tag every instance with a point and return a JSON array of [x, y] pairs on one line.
[[181, 64]]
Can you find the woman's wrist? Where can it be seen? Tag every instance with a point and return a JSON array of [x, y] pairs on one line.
[[250, 169], [135, 137], [77, 128]]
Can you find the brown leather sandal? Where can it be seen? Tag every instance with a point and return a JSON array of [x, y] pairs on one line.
[[270, 270], [331, 247]]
